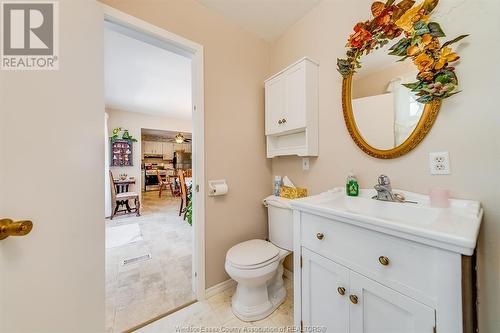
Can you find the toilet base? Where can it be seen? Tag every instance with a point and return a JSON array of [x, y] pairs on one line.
[[261, 311]]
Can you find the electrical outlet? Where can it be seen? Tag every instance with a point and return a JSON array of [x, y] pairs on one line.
[[440, 163], [305, 164]]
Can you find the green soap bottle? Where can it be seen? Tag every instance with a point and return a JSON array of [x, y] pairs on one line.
[[352, 186]]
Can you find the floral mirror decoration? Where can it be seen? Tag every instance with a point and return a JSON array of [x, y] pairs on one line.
[[436, 78]]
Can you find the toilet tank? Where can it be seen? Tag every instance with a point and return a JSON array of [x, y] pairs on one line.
[[280, 221]]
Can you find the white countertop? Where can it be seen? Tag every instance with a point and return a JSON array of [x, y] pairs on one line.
[[455, 228]]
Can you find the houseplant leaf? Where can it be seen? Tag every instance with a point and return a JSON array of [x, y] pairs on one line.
[[435, 29], [459, 38]]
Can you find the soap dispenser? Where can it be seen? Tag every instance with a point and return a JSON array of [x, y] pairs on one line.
[[352, 186]]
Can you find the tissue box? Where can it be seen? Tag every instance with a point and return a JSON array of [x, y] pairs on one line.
[[292, 192]]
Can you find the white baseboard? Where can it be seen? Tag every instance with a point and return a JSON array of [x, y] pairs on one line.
[[288, 274], [218, 288]]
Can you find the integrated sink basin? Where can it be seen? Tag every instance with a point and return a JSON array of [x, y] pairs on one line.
[[455, 228]]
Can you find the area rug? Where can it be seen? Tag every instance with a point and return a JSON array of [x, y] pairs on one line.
[[123, 235]]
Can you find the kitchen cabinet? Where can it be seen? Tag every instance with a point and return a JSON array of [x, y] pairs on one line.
[[168, 150], [151, 147], [344, 301], [291, 110]]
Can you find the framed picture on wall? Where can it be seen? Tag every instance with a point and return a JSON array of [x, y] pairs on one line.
[[122, 153]]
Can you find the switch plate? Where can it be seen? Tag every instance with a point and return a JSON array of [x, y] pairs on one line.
[[440, 163], [305, 164]]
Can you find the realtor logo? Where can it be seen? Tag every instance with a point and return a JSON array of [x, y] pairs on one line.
[[30, 35]]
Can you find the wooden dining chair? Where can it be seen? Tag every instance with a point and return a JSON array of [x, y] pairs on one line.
[[119, 199], [184, 196], [163, 183]]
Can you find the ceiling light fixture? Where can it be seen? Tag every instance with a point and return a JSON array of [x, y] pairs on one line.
[[179, 138]]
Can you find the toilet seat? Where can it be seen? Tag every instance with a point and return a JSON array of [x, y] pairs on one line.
[[252, 254]]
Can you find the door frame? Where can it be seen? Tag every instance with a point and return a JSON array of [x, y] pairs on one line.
[[195, 51]]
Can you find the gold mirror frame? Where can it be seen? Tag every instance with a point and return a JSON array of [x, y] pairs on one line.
[[423, 127]]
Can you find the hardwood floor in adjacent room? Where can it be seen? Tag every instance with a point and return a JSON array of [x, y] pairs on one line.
[[148, 287]]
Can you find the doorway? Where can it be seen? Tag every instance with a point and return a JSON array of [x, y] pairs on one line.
[[158, 265]]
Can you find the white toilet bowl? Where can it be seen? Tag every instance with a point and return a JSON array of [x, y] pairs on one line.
[[257, 266]]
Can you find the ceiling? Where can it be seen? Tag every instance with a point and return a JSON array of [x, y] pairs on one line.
[[141, 77], [268, 19], [162, 136]]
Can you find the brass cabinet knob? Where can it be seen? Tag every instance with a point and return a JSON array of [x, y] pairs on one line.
[[383, 260], [11, 228], [354, 299], [320, 236], [283, 121], [341, 290], [280, 122]]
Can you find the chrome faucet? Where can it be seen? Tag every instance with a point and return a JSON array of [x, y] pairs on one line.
[[384, 191]]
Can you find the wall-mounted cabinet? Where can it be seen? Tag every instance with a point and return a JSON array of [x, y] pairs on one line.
[[292, 110]]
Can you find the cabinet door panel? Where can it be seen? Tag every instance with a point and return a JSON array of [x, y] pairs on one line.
[[322, 305], [275, 104], [295, 92], [384, 310]]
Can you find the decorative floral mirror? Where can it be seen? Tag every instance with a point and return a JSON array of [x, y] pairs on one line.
[[395, 77]]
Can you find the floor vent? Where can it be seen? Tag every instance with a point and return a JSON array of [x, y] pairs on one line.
[[136, 259]]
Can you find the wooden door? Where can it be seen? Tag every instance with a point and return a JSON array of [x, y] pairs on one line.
[[52, 280]]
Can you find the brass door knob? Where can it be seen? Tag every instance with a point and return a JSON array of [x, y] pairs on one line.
[[320, 236], [354, 299], [383, 260], [341, 290], [11, 228]]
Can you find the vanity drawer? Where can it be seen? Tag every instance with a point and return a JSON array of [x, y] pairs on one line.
[[409, 267]]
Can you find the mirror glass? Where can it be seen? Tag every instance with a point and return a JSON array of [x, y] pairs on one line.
[[385, 111]]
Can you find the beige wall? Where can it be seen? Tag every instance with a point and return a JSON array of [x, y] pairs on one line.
[[236, 64], [134, 122], [467, 125]]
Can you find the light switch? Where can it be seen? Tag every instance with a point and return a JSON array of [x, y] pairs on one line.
[[305, 164]]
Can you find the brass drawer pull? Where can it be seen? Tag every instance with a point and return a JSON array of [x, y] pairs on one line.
[[320, 236], [383, 260], [354, 299], [341, 290]]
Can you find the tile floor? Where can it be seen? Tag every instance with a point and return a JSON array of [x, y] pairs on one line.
[[138, 292], [215, 315]]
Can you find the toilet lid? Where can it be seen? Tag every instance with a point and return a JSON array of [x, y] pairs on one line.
[[252, 252]]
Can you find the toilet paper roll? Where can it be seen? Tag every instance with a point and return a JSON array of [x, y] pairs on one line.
[[219, 189]]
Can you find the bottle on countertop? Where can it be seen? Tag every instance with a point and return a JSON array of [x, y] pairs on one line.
[[277, 185], [352, 186]]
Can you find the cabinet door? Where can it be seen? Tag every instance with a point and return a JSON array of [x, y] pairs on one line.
[[383, 310], [168, 150], [149, 147], [295, 92], [322, 304], [275, 104]]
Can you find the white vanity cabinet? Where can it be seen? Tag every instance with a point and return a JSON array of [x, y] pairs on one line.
[[291, 110], [359, 274]]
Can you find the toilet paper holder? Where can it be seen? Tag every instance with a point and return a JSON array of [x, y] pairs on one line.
[[217, 187]]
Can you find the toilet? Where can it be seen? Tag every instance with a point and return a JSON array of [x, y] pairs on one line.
[[257, 265]]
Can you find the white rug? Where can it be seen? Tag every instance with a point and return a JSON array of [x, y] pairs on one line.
[[123, 235]]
